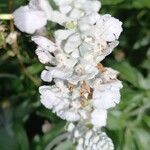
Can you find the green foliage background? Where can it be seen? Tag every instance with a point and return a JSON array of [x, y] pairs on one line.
[[22, 115]]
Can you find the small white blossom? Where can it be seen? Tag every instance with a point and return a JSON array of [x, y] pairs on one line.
[[70, 127], [89, 139], [44, 56], [107, 95], [29, 20], [99, 117], [58, 73], [42, 5], [44, 43], [76, 9], [109, 28]]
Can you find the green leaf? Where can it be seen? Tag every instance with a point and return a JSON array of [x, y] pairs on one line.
[[48, 114], [110, 2], [141, 3], [21, 137], [7, 140], [57, 130], [130, 98], [116, 120], [146, 119], [132, 75], [144, 83], [146, 64], [127, 72], [66, 145], [129, 141], [35, 68], [21, 112], [142, 138]]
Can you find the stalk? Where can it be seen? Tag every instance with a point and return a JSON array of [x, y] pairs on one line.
[[6, 16]]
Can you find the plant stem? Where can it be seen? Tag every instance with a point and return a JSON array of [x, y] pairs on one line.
[[57, 140], [16, 50], [7, 75], [6, 16]]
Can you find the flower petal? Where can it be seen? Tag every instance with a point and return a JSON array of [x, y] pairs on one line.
[[28, 20], [110, 28], [99, 117], [44, 43]]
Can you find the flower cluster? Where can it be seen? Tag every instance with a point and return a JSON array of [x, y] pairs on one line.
[[89, 139], [83, 88]]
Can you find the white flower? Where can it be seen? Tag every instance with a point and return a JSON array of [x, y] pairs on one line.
[[109, 74], [29, 20], [89, 19], [61, 35], [44, 43], [58, 99], [83, 89], [42, 5], [72, 43], [98, 117], [103, 52], [107, 95], [82, 72], [59, 18], [76, 9], [55, 72], [63, 2], [64, 9], [70, 127], [48, 97], [70, 116], [91, 6], [108, 28], [89, 139], [44, 56]]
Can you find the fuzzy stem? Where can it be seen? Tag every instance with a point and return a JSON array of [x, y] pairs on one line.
[[6, 16]]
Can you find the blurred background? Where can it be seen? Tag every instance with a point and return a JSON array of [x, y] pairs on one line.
[[26, 125]]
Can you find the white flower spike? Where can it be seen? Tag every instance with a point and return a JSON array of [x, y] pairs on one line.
[[83, 89]]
